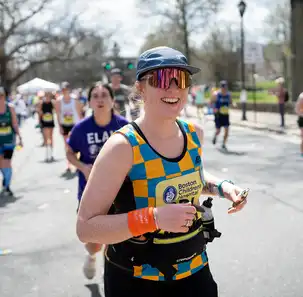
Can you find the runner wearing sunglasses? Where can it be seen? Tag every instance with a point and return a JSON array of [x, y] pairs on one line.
[[153, 179]]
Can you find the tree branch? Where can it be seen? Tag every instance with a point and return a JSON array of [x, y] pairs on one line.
[[42, 61], [18, 47], [16, 24]]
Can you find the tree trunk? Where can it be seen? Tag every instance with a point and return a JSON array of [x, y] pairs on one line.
[[297, 47], [5, 82], [185, 33]]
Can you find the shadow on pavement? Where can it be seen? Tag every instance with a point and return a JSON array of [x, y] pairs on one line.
[[94, 289], [67, 175], [44, 161], [229, 152], [4, 200]]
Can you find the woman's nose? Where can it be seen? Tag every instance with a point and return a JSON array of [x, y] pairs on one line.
[[173, 84]]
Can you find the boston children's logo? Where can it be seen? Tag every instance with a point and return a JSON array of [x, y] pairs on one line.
[[170, 194]]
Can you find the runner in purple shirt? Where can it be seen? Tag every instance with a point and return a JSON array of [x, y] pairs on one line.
[[86, 139]]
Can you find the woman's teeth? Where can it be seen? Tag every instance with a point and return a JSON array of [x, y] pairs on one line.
[[170, 100]]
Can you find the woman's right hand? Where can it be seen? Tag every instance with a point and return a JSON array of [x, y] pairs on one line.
[[175, 217], [87, 168]]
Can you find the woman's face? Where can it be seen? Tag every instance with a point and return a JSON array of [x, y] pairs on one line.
[[165, 103], [101, 100], [48, 97]]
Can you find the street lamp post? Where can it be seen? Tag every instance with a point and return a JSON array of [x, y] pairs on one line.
[[242, 8]]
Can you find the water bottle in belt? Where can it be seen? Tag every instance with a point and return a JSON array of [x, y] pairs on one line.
[[208, 220]]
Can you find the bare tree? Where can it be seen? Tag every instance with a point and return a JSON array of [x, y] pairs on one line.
[[221, 51], [25, 45], [167, 34], [278, 23], [296, 47], [188, 16], [218, 56], [81, 68], [278, 31]]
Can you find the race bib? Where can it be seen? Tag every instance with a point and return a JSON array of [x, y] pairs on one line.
[[182, 189], [68, 119], [47, 117], [224, 110], [5, 130]]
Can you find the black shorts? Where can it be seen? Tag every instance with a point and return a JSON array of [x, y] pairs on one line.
[[222, 120], [47, 124], [300, 122], [66, 129], [120, 283]]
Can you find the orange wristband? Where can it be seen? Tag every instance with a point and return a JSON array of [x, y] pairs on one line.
[[141, 221]]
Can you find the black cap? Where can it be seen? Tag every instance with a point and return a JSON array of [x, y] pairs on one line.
[[65, 85], [116, 71], [223, 83]]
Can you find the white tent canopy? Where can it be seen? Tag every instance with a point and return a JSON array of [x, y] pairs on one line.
[[37, 84]]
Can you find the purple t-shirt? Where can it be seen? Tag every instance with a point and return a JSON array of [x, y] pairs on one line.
[[88, 138]]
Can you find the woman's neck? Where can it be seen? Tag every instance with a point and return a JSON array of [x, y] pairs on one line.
[[161, 129], [116, 86], [102, 119], [66, 98], [2, 105]]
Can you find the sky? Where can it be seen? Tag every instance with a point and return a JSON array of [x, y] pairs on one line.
[[125, 19], [133, 28]]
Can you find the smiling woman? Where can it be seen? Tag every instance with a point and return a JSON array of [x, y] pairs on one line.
[[142, 195]]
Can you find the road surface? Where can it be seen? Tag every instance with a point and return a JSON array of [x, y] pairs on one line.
[[259, 253]]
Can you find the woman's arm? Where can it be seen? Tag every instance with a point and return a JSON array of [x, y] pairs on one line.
[[39, 108], [73, 159], [79, 109], [108, 173], [15, 123], [57, 106], [299, 105], [229, 191]]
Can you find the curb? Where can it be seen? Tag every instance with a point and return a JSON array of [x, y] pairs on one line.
[[265, 128]]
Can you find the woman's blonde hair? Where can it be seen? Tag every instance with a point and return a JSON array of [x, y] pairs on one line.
[[280, 80], [135, 94]]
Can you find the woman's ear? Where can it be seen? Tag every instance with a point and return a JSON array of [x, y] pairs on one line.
[[139, 87]]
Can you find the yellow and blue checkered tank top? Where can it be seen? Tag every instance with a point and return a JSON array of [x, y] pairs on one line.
[[156, 181]]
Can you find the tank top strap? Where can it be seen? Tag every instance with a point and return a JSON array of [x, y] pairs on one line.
[[192, 136], [132, 135]]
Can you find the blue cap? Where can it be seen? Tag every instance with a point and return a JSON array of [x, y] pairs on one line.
[[161, 57]]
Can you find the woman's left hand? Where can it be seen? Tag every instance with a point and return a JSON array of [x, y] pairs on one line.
[[231, 192]]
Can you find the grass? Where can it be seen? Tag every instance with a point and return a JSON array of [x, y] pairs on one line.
[[261, 97], [266, 85]]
